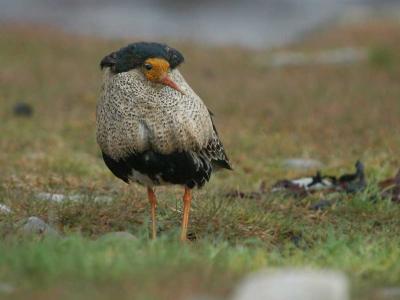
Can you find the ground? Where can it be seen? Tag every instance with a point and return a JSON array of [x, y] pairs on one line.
[[334, 113]]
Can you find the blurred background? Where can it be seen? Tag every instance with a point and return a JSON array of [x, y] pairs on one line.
[[247, 23], [296, 86]]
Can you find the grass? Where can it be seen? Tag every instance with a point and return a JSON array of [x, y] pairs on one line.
[[336, 114], [152, 269]]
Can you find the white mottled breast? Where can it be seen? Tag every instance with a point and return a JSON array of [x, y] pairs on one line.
[[134, 115]]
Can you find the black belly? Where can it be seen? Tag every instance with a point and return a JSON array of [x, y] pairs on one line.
[[183, 168]]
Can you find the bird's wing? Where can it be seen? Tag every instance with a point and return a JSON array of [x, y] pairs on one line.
[[215, 150]]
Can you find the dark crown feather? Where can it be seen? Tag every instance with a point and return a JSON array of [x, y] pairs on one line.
[[134, 55]]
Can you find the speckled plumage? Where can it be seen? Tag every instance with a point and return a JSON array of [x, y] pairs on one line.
[[138, 119]]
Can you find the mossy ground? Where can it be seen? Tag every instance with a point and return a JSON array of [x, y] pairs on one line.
[[334, 113]]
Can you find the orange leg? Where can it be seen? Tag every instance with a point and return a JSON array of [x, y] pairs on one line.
[[153, 202], [187, 199]]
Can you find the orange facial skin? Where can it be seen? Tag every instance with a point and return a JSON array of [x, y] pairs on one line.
[[156, 70]]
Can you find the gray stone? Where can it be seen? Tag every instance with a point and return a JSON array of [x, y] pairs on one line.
[[51, 197], [302, 163], [289, 284], [58, 197], [36, 226], [321, 204], [123, 235], [103, 199], [4, 209], [6, 288], [77, 197], [392, 293]]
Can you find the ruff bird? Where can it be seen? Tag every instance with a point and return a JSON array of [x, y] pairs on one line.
[[152, 128], [354, 182]]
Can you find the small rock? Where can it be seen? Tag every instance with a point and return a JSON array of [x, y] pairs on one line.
[[321, 204], [123, 235], [36, 226], [4, 209], [77, 197], [51, 197], [289, 284], [392, 293], [6, 288], [58, 197], [302, 163], [22, 109], [103, 199]]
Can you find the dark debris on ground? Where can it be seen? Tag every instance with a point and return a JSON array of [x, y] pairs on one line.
[[325, 184]]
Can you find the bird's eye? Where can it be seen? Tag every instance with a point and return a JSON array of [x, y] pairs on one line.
[[148, 66]]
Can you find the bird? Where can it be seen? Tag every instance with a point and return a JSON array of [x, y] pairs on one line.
[[152, 128], [354, 182]]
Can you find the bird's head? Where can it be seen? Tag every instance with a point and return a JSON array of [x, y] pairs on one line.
[[154, 60]]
